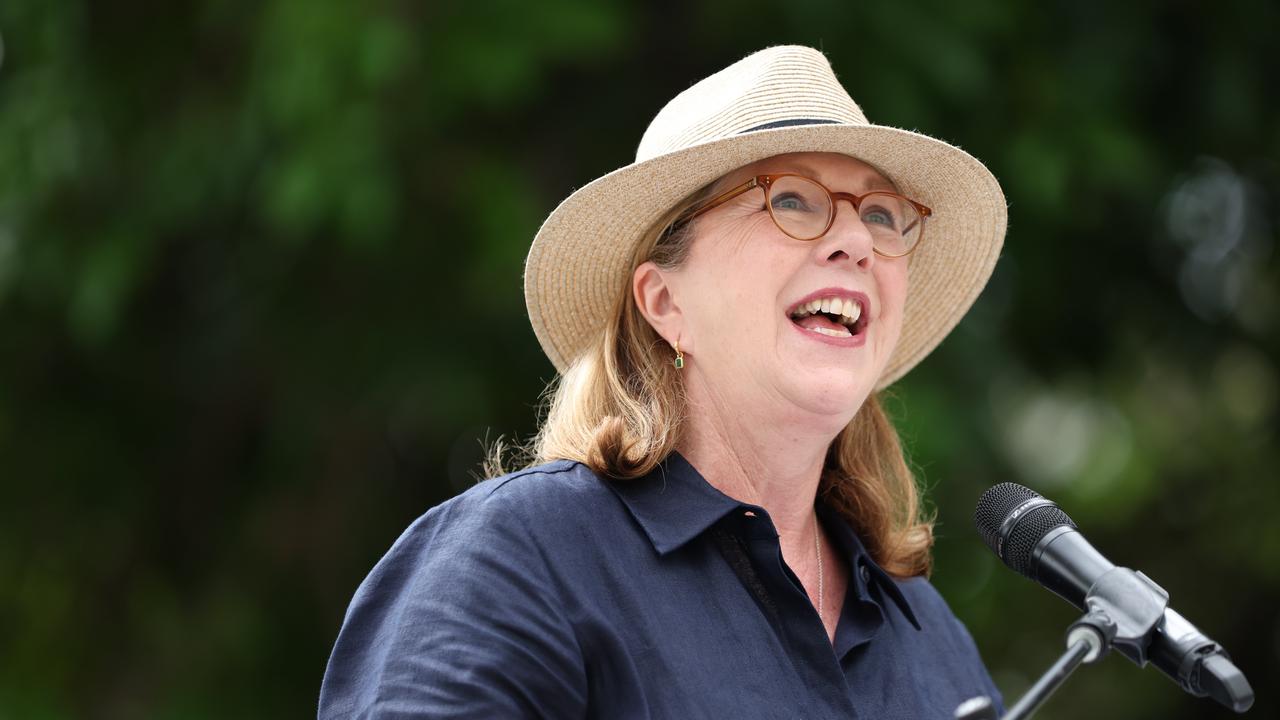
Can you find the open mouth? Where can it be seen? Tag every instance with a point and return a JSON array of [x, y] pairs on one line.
[[834, 315]]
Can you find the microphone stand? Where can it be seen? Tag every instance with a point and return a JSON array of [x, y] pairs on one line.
[[1084, 645], [1124, 608]]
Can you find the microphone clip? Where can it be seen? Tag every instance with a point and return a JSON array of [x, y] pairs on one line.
[[1123, 607]]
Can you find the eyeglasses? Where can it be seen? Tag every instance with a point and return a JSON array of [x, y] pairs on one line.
[[804, 209]]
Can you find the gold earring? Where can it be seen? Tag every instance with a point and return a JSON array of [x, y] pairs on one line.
[[679, 361]]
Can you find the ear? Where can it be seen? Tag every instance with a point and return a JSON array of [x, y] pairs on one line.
[[651, 286]]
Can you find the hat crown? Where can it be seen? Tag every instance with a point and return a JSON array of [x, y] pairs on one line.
[[777, 86]]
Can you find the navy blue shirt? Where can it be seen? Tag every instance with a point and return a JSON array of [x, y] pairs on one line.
[[553, 593]]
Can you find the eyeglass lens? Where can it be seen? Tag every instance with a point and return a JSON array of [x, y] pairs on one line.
[[802, 208]]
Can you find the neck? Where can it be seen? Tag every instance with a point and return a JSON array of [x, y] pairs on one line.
[[772, 461]]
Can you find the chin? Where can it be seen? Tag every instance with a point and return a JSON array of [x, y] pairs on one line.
[[841, 396]]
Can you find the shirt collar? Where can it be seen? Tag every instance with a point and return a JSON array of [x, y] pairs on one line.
[[674, 504], [838, 528]]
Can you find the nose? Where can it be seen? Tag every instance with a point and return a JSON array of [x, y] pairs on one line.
[[847, 238]]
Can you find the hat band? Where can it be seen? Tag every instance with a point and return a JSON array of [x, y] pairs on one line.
[[789, 123]]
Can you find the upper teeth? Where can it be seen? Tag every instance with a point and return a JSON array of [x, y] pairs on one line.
[[849, 310]]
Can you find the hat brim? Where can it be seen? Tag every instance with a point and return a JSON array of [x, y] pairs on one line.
[[580, 256]]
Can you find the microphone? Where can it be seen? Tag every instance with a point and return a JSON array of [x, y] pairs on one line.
[[1038, 540]]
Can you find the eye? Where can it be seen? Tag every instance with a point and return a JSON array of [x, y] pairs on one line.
[[879, 215], [789, 201]]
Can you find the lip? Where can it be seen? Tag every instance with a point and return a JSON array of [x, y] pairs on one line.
[[856, 340]]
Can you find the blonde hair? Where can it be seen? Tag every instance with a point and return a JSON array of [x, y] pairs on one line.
[[620, 406]]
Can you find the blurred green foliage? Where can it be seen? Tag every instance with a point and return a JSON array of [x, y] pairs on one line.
[[260, 298]]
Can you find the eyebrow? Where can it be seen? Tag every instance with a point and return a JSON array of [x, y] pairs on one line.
[[879, 183]]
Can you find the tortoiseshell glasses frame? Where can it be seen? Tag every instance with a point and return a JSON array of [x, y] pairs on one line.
[[767, 183]]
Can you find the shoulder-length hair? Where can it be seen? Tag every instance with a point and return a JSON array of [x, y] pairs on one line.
[[620, 406]]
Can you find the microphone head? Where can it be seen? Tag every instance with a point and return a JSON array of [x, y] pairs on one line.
[[1012, 519]]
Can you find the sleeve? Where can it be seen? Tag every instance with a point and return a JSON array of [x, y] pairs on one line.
[[458, 620]]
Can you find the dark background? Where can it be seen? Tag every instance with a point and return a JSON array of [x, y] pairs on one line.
[[260, 300]]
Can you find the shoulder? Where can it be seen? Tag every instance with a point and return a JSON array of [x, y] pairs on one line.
[[466, 585], [495, 534], [536, 496], [923, 596], [543, 487], [932, 609], [504, 513]]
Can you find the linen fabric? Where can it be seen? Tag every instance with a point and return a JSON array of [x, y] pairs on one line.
[[553, 593]]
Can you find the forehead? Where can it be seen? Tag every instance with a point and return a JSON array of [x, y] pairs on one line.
[[836, 171]]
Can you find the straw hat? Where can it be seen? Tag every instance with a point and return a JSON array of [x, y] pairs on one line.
[[781, 99]]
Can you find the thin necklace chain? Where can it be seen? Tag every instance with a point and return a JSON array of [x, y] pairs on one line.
[[817, 549]]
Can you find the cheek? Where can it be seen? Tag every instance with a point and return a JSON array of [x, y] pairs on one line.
[[893, 295], [736, 291]]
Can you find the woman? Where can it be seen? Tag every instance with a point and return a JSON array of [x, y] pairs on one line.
[[717, 520]]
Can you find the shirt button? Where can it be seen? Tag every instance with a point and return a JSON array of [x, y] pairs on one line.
[[866, 575]]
